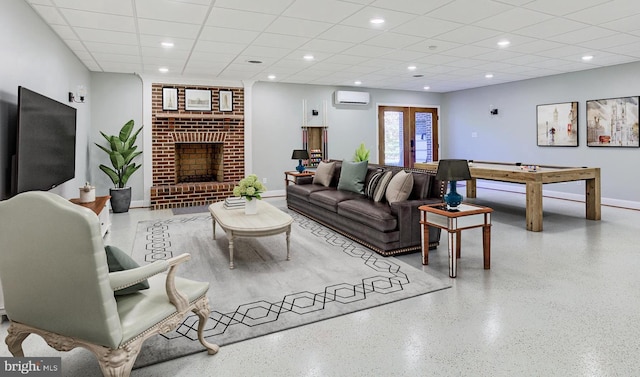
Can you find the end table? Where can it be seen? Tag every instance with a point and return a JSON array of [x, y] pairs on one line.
[[292, 176], [467, 216]]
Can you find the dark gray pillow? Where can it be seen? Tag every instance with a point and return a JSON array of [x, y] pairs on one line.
[[118, 260], [352, 176]]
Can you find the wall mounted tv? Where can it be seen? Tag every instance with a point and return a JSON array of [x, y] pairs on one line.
[[45, 143]]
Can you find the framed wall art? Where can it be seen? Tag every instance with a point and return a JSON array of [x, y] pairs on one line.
[[169, 99], [226, 100], [557, 124], [197, 99], [613, 122]]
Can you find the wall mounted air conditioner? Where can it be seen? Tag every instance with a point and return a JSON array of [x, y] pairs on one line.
[[344, 97]]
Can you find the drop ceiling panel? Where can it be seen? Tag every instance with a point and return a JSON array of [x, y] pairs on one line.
[[469, 11], [117, 7], [167, 10], [258, 6], [168, 29], [99, 20], [326, 10], [106, 36], [242, 20], [410, 6], [280, 40], [297, 27], [426, 27], [349, 34], [513, 19], [393, 40], [221, 34]]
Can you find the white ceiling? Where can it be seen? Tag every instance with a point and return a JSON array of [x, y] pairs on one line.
[[452, 43]]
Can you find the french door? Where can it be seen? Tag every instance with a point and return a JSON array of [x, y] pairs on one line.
[[407, 135]]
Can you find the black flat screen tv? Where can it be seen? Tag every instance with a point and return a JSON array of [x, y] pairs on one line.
[[45, 143]]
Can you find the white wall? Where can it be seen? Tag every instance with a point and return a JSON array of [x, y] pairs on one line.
[[117, 98], [511, 135], [33, 56], [277, 120]]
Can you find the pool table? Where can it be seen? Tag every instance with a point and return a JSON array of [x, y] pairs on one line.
[[534, 179]]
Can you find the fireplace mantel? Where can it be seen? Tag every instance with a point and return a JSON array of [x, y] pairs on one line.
[[198, 116]]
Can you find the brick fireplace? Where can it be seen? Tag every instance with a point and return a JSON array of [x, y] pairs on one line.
[[197, 156]]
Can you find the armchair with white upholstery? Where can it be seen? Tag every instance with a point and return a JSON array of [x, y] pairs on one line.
[[56, 284]]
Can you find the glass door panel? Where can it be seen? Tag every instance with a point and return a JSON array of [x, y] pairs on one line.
[[393, 138]]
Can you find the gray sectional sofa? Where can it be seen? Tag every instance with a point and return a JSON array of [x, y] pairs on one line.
[[380, 218]]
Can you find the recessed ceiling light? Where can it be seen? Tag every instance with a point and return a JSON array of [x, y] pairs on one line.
[[426, 88], [489, 75], [254, 61], [418, 75], [308, 57], [433, 47], [377, 20], [357, 82], [504, 43], [167, 44], [271, 77], [163, 69], [412, 67], [586, 58]]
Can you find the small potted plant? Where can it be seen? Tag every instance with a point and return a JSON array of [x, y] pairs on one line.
[[121, 151], [361, 154], [250, 188]]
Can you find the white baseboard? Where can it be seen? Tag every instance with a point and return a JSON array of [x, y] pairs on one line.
[[555, 194]]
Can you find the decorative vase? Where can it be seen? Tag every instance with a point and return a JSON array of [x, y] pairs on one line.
[[120, 199], [251, 206]]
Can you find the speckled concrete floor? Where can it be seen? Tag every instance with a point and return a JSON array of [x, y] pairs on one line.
[[562, 302]]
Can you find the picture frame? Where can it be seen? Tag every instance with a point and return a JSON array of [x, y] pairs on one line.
[[613, 122], [197, 99], [557, 124], [169, 99], [226, 100]]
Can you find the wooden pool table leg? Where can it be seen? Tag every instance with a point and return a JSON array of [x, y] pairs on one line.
[[592, 198], [534, 206], [471, 188]]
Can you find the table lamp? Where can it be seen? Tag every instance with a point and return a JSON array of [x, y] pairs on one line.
[[300, 154], [453, 171]]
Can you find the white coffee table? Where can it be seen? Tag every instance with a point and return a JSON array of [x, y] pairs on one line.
[[268, 221]]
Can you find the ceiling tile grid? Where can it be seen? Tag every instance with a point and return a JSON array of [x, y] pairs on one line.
[[450, 44]]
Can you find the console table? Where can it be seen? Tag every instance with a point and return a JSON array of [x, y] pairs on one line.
[[99, 206]]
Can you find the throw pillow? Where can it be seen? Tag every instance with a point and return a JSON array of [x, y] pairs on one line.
[[352, 176], [399, 187], [118, 260], [324, 172], [372, 183], [381, 189]]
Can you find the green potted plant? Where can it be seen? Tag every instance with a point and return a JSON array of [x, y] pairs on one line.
[[362, 154], [121, 151]]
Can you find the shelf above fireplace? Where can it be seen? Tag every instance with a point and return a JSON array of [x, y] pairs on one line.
[[198, 116]]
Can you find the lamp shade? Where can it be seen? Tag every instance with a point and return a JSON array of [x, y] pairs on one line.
[[453, 170], [300, 154]]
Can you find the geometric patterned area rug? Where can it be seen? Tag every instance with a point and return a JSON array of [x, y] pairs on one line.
[[328, 276]]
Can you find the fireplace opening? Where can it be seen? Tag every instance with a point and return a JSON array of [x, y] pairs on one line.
[[199, 162]]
